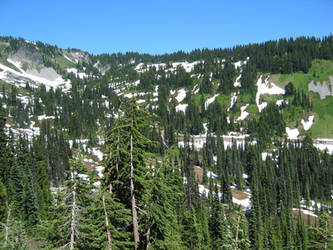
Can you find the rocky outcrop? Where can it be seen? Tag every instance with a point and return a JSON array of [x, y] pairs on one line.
[[323, 89]]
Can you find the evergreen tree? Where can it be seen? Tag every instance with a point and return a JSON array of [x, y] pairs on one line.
[[3, 203], [66, 225], [125, 167], [321, 235]]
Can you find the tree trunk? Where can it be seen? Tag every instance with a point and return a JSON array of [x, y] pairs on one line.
[[71, 244], [134, 212], [7, 227], [237, 232], [326, 235], [107, 222], [148, 238]]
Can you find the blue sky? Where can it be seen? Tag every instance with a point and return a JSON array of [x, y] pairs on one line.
[[162, 26]]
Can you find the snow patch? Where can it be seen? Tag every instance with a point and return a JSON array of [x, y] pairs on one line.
[[210, 100], [244, 113], [280, 102], [181, 95], [308, 124], [232, 101], [181, 107], [292, 133], [237, 83], [186, 65], [323, 147], [69, 59], [239, 64], [306, 212], [244, 203], [265, 88], [45, 117], [99, 170], [210, 174], [98, 153], [264, 155], [203, 190]]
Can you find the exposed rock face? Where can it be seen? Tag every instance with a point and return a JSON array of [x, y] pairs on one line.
[[80, 56], [47, 73], [102, 68], [32, 57], [323, 89]]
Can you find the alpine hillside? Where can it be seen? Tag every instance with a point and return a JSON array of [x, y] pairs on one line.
[[210, 149]]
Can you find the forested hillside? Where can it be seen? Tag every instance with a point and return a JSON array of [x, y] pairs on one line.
[[211, 149]]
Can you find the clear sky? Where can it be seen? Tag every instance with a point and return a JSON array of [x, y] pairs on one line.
[[156, 27]]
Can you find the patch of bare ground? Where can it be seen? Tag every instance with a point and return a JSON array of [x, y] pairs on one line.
[[308, 219], [240, 195], [198, 172]]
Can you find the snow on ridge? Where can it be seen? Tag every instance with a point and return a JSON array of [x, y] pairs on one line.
[[292, 133], [210, 100], [264, 88], [244, 113], [308, 124]]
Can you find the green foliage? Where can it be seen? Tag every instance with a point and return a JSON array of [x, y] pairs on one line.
[[321, 235], [322, 126], [3, 203]]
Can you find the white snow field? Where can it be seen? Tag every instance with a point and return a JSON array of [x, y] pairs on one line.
[[7, 75], [308, 124], [265, 88]]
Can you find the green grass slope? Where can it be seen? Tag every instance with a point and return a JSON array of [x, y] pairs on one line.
[[322, 109]]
